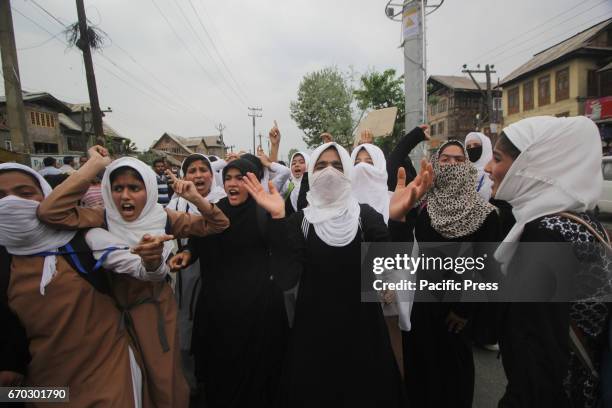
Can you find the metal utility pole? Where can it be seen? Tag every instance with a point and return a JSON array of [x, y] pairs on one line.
[[253, 113], [83, 44], [221, 127], [413, 18], [12, 84], [487, 94]]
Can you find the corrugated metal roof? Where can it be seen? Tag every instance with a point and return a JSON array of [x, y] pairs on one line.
[[607, 67], [192, 141], [557, 51], [457, 82], [212, 141], [179, 140], [69, 123], [41, 96]]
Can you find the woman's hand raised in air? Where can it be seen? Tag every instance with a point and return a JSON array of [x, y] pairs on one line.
[[272, 202]]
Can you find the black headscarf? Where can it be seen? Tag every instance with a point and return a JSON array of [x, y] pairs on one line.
[[256, 162], [243, 165]]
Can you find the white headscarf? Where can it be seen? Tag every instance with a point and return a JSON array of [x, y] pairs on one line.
[[332, 208], [369, 181], [297, 181], [559, 169], [152, 219], [23, 234], [483, 182]]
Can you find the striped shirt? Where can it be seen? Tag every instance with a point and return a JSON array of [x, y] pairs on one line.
[[162, 190]]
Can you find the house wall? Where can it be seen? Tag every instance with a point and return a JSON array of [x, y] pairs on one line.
[[574, 105]]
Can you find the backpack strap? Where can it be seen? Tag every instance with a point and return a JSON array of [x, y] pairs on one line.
[[78, 254]]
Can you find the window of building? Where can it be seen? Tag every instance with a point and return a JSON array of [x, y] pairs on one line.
[[8, 145], [441, 127], [434, 127], [528, 95], [513, 100], [45, 147], [562, 84], [76, 143], [42, 119], [497, 104], [544, 90]]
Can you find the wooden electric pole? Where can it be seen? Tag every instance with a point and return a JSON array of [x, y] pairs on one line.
[[12, 84], [487, 94], [83, 44]]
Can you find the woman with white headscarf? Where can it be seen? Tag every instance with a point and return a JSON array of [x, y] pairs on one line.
[[295, 189], [369, 178], [129, 189], [549, 170], [198, 169], [340, 348], [71, 327], [480, 152], [369, 185]]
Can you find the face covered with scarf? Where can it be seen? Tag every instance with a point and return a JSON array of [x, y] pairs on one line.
[[21, 191], [369, 178], [332, 208], [454, 206]]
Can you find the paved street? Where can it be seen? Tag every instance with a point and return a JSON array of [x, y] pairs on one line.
[[490, 379]]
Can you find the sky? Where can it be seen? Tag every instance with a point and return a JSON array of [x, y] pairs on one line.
[[184, 66]]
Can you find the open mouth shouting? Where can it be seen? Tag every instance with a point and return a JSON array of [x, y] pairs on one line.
[[128, 210], [200, 185]]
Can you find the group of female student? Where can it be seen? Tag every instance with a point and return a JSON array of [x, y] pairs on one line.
[[268, 283]]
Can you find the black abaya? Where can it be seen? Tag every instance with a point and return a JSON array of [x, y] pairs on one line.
[[439, 365], [240, 327], [339, 352]]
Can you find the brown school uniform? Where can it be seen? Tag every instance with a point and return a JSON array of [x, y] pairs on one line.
[[74, 335], [154, 323]]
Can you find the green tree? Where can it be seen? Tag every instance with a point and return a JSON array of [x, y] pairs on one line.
[[383, 90], [324, 105], [147, 157]]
